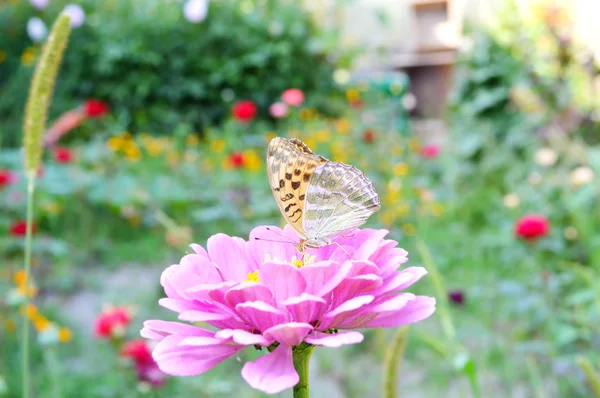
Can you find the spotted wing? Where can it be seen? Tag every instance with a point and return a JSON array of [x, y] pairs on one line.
[[290, 165], [339, 199]]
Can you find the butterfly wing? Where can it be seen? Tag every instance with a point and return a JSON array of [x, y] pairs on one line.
[[339, 198], [290, 165]]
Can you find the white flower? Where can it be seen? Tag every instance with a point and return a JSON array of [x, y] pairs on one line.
[[36, 29], [195, 10], [511, 200], [76, 14], [581, 176], [545, 157], [39, 4], [409, 101], [341, 76]]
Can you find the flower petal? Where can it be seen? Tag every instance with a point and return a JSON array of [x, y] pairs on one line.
[[415, 310], [321, 278], [178, 360], [230, 255], [356, 286], [401, 280], [272, 373], [284, 280], [192, 270], [339, 314], [305, 308], [248, 291], [199, 250], [283, 251], [243, 337], [334, 340], [259, 315], [290, 334], [157, 330]]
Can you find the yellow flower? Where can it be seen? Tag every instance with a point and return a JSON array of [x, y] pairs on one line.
[[340, 157], [312, 144], [28, 57], [387, 217], [342, 126], [20, 277], [2, 55], [253, 277], [352, 95], [132, 151], [397, 150], [32, 311], [437, 209], [414, 145], [306, 114], [252, 160], [323, 136], [218, 145], [115, 143], [402, 209], [154, 148], [409, 229], [401, 169], [41, 323], [191, 140], [64, 335]]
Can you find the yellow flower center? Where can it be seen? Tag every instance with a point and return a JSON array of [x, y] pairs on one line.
[[253, 277]]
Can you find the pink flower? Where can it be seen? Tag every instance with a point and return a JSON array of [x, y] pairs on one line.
[[95, 108], [293, 96], [63, 155], [19, 228], [7, 177], [278, 110], [257, 293], [146, 368], [430, 151], [244, 111]]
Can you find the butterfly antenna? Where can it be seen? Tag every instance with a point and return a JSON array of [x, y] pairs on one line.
[[276, 241], [280, 234], [344, 250]]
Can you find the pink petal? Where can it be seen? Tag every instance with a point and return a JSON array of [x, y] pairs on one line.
[[390, 263], [362, 267], [248, 291], [175, 359], [259, 315], [243, 337], [366, 314], [416, 310], [177, 305], [334, 340], [211, 291], [305, 308], [290, 334], [273, 372], [357, 286], [203, 316], [282, 250], [157, 330], [371, 243], [321, 278], [401, 280], [284, 280], [339, 314], [199, 250], [193, 270], [230, 255]]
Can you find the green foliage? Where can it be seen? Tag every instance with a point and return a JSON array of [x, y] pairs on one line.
[[157, 70]]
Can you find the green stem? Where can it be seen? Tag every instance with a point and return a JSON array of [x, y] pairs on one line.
[[53, 367], [301, 356], [28, 247], [393, 361]]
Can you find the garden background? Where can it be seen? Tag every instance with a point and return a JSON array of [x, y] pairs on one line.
[[157, 137]]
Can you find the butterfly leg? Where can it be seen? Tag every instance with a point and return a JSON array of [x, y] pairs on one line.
[[344, 250]]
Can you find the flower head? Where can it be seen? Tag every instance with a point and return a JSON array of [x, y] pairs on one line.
[[531, 227], [36, 29], [265, 294], [95, 108], [293, 97], [430, 151], [112, 322], [146, 368], [63, 155], [7, 177], [76, 14], [278, 110], [237, 160], [195, 11], [244, 111], [19, 228]]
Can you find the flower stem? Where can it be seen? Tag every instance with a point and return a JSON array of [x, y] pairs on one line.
[[28, 247], [301, 356]]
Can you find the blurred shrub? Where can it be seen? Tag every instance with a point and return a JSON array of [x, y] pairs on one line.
[[156, 69]]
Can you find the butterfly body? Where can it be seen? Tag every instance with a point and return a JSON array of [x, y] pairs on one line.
[[319, 199]]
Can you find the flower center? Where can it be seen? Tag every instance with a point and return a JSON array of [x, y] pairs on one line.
[[253, 277]]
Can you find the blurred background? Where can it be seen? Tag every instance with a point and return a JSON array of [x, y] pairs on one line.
[[477, 121]]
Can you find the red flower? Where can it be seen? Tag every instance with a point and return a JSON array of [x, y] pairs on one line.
[[95, 108], [293, 96], [63, 155], [430, 151], [237, 160], [244, 111], [531, 227], [112, 322], [146, 368], [138, 351], [369, 136], [7, 177], [19, 228]]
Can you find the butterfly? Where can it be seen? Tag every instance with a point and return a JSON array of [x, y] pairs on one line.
[[318, 198]]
